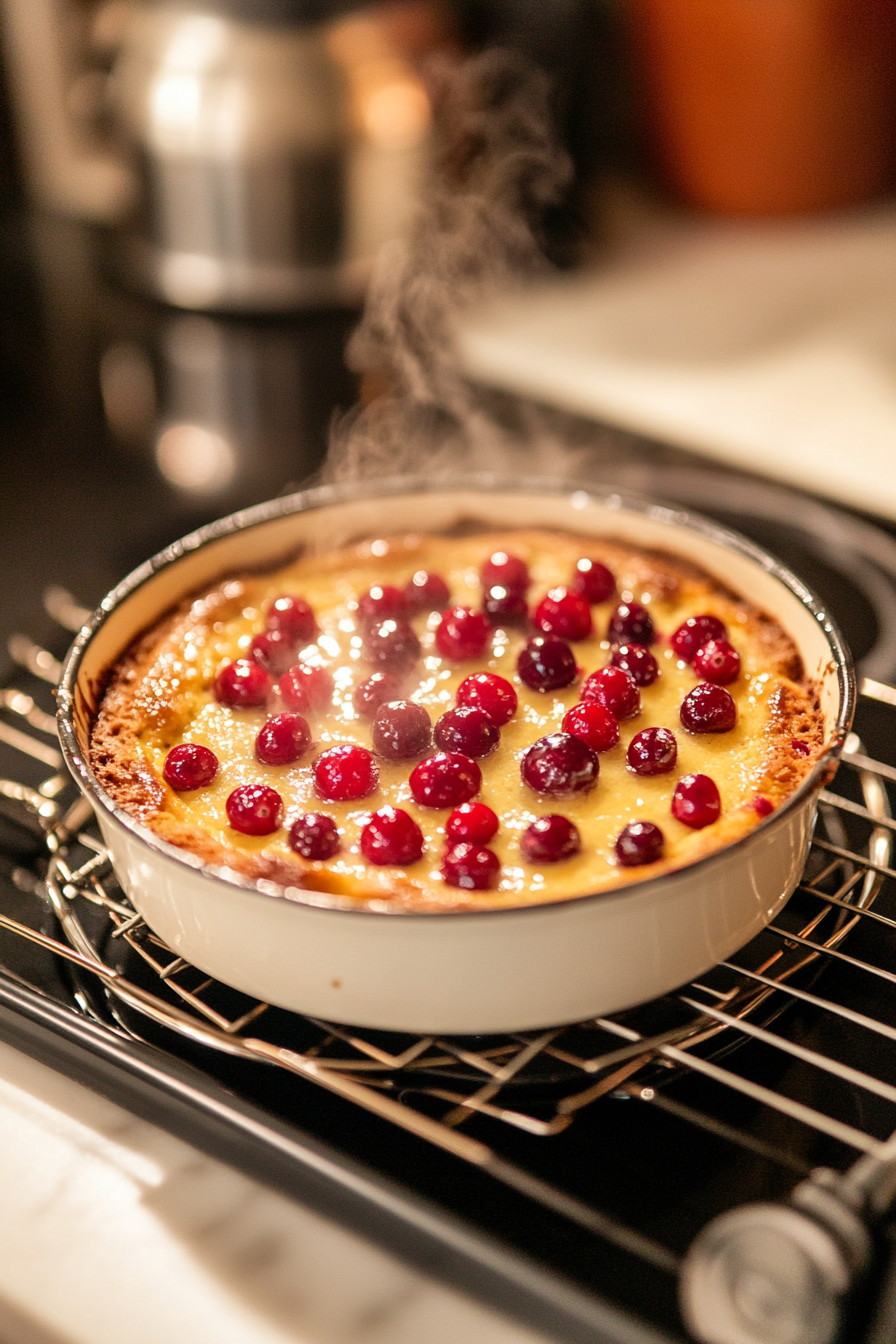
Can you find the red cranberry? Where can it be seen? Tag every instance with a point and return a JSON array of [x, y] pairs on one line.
[[462, 634], [384, 603], [503, 607], [637, 660], [550, 839], [652, 752], [696, 801], [315, 836], [446, 779], [391, 644], [293, 617], [471, 867], [242, 684], [614, 689], [631, 624], [801, 748], [468, 730], [593, 581], [391, 836], [282, 739], [306, 688], [693, 633], [375, 691], [638, 843], [190, 766], [401, 730], [762, 805], [547, 663], [564, 613], [560, 764], [593, 724], [427, 592], [472, 821], [273, 650], [718, 662], [345, 773], [491, 693], [255, 809], [505, 571], [708, 709]]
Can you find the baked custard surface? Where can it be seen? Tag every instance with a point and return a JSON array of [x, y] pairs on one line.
[[160, 694]]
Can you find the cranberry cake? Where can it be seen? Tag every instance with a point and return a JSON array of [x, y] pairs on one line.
[[459, 722]]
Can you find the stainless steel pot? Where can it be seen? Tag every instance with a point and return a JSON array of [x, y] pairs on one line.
[[278, 145]]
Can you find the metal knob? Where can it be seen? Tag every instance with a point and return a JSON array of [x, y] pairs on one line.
[[774, 1274]]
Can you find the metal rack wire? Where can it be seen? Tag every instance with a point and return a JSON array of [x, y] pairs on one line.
[[842, 919]]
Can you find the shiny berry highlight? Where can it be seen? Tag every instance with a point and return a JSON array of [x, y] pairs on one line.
[[640, 842], [392, 837], [345, 773], [708, 709], [653, 751], [696, 801], [637, 660], [467, 729], [693, 633], [255, 809], [446, 779], [471, 867], [462, 634], [283, 739], [560, 764], [564, 613], [492, 694], [631, 624], [242, 684], [550, 840], [190, 766], [593, 581], [593, 724], [546, 663], [314, 836], [615, 690], [401, 730], [475, 822], [718, 662]]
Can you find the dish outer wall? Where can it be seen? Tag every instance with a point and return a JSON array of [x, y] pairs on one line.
[[511, 969]]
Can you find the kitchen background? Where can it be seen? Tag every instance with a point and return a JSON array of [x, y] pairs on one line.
[[193, 197]]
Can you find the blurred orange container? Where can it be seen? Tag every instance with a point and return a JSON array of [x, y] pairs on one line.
[[769, 107]]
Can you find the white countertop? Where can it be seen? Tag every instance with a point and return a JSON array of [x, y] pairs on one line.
[[112, 1229], [768, 345]]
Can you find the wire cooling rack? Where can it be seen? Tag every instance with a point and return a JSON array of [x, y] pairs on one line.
[[829, 954]]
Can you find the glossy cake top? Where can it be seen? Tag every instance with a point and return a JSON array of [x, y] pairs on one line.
[[271, 677]]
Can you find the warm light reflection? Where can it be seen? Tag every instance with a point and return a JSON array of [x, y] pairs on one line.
[[198, 41], [175, 104], [390, 104], [187, 116], [185, 112], [396, 116], [194, 458]]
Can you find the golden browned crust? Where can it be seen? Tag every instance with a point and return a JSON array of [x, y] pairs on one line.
[[140, 693], [796, 739], [146, 690]]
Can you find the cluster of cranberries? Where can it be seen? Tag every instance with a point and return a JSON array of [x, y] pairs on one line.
[[564, 613], [446, 773]]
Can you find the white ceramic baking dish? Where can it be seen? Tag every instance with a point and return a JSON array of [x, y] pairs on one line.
[[482, 971]]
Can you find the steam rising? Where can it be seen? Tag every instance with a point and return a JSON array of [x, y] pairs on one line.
[[497, 167]]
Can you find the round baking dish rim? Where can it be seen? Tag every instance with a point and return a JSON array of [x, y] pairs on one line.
[[487, 482]]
